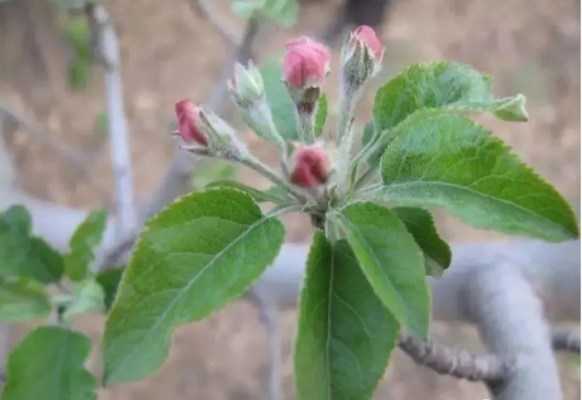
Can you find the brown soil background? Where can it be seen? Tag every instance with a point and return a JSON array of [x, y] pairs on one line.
[[168, 53]]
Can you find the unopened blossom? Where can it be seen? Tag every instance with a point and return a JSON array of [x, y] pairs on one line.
[[306, 64], [366, 35], [361, 58], [188, 114], [310, 166], [246, 85]]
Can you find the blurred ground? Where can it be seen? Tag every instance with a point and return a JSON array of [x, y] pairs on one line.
[[530, 47]]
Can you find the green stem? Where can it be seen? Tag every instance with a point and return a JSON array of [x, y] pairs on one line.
[[254, 164], [365, 178], [346, 114], [306, 122], [381, 141], [258, 166]]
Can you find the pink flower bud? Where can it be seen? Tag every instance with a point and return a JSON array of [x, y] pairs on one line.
[[368, 37], [310, 166], [188, 115], [306, 63]]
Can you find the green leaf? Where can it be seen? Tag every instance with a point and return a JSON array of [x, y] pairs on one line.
[[15, 227], [245, 8], [23, 300], [76, 32], [79, 72], [390, 259], [194, 257], [109, 281], [102, 124], [369, 135], [87, 236], [88, 297], [282, 11], [447, 160], [210, 170], [15, 221], [441, 85], [24, 255], [274, 195], [420, 224], [344, 334], [282, 107], [48, 365], [321, 115], [48, 264]]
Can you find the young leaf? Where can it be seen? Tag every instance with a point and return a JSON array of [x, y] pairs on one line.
[[48, 365], [194, 257], [24, 255], [390, 259], [23, 300], [109, 281], [89, 297], [441, 85], [447, 160], [344, 334], [87, 236], [420, 224], [278, 99], [321, 115], [273, 195]]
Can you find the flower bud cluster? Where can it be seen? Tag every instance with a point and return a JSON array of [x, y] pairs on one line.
[[305, 69]]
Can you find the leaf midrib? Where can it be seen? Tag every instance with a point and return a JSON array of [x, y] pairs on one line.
[[60, 364], [385, 278], [329, 323], [191, 283], [385, 189]]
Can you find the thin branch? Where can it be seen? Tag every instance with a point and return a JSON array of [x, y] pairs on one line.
[[269, 318], [459, 363], [565, 340], [108, 52], [221, 25]]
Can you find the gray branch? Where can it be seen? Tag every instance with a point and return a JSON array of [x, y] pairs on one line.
[[270, 320], [107, 49], [459, 363], [509, 317]]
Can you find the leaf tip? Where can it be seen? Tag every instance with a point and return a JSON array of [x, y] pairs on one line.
[[515, 110]]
